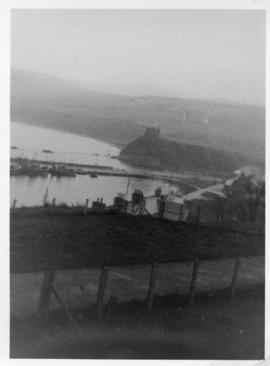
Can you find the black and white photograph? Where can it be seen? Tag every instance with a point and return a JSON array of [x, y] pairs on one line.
[[137, 183]]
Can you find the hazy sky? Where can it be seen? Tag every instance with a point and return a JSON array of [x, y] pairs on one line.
[[217, 54]]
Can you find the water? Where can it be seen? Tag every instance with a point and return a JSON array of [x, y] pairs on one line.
[[30, 191], [67, 147]]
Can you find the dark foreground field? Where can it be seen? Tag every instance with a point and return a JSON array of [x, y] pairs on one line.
[[40, 241], [212, 329]]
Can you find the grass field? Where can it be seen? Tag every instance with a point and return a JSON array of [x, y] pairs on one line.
[[77, 245], [211, 329], [40, 241]]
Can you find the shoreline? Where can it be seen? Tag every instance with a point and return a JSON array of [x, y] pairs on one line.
[[120, 146]]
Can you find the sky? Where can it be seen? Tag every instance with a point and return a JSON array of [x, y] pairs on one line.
[[201, 54]]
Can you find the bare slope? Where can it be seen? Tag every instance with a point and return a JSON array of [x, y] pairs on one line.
[[52, 102]]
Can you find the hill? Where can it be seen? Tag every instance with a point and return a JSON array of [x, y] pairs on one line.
[[47, 101], [153, 152], [52, 102]]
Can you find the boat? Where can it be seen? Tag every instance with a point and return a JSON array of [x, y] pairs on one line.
[[93, 175], [62, 171], [47, 151], [29, 170]]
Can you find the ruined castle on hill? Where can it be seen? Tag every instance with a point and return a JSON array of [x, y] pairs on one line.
[[154, 152]]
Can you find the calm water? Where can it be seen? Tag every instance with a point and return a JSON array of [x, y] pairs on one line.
[[69, 148], [66, 147]]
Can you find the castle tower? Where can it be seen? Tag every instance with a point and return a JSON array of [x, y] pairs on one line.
[[152, 133]]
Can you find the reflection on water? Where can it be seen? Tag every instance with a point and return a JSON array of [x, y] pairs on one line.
[[30, 191]]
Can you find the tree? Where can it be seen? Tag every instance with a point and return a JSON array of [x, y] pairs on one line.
[[244, 196]]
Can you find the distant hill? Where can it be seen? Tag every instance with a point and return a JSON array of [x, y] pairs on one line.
[[44, 100], [154, 152]]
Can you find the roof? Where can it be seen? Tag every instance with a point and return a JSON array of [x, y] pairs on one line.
[[207, 193]]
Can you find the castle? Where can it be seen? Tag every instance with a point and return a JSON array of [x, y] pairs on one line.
[[152, 133]]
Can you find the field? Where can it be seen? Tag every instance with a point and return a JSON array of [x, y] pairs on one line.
[[40, 241], [76, 245], [211, 329]]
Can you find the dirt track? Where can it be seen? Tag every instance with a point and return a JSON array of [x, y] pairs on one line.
[[212, 329]]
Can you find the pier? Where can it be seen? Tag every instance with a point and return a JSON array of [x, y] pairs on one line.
[[189, 184]]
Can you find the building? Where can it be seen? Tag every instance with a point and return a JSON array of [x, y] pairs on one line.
[[152, 133]]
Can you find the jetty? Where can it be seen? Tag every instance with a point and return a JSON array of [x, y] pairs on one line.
[[189, 182]]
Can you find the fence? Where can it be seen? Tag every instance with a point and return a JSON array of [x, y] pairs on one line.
[[172, 211], [49, 289]]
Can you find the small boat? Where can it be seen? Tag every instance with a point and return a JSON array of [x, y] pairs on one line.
[[93, 175], [29, 171], [62, 172], [47, 151]]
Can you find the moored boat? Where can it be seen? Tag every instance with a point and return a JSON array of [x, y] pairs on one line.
[[93, 175], [62, 171]]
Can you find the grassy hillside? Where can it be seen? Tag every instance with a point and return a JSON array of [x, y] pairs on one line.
[[40, 241], [161, 153], [55, 103], [42, 100]]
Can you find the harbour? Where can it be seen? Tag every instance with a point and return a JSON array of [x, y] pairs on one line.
[[90, 173]]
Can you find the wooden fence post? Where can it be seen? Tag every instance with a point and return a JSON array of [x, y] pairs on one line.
[[86, 205], [101, 291], [162, 208], [152, 284], [235, 278], [45, 293], [194, 278], [14, 204]]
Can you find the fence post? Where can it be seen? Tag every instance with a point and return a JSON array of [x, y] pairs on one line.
[[162, 208], [152, 284], [86, 205], [101, 290], [194, 278], [45, 293], [14, 204], [235, 278]]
